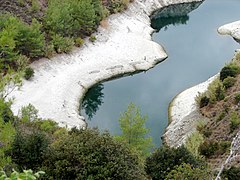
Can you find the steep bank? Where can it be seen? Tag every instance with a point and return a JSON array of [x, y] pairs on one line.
[[123, 47]]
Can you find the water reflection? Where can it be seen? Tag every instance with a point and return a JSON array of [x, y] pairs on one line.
[[172, 15], [93, 100]]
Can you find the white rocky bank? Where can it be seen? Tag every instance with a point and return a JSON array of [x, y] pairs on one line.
[[124, 47], [183, 111]]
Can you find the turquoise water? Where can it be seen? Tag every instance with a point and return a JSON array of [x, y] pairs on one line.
[[196, 52]]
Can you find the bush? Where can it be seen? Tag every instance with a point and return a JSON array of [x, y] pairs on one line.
[[231, 174], [73, 17], [62, 44], [204, 101], [49, 50], [208, 148], [6, 113], [92, 38], [230, 70], [187, 172], [193, 142], [237, 98], [79, 42], [29, 72], [229, 82], [87, 154], [164, 159], [28, 148], [234, 121]]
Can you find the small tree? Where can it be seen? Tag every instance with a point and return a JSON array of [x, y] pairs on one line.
[[134, 131]]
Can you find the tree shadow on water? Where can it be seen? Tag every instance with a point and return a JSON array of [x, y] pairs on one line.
[[172, 15], [93, 100]]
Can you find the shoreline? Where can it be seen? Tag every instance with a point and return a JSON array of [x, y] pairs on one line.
[[59, 83], [184, 118], [184, 114]]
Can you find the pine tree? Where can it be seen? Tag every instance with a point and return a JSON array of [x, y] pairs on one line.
[[134, 131]]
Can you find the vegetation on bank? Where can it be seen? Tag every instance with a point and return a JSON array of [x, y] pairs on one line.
[[30, 30], [220, 105]]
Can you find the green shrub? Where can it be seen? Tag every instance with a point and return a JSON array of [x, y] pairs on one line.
[[6, 113], [79, 42], [188, 172], [208, 148], [87, 154], [29, 72], [237, 98], [193, 142], [230, 70], [92, 38], [62, 44], [221, 116], [202, 100], [234, 121], [26, 174], [73, 17], [229, 82], [231, 174], [49, 50], [164, 160], [28, 148]]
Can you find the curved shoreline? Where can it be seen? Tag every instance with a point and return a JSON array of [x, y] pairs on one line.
[[124, 47], [183, 111], [184, 114]]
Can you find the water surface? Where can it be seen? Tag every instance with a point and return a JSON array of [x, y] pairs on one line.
[[196, 52]]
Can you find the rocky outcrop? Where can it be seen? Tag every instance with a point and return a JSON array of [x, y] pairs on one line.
[[232, 29], [123, 47]]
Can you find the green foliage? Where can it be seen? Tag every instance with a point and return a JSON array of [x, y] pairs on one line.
[[17, 37], [234, 121], [87, 154], [134, 131], [72, 17], [28, 148], [92, 38], [25, 175], [62, 44], [5, 112], [229, 70], [29, 72], [79, 42], [163, 160], [237, 98], [30, 40], [28, 113], [7, 133], [210, 148], [202, 100], [193, 143], [231, 174], [188, 172], [229, 82]]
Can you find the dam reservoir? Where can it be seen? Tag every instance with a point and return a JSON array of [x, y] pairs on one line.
[[196, 52]]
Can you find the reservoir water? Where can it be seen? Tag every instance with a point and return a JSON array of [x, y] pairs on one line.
[[196, 52]]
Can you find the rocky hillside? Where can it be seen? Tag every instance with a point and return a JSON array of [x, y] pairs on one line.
[[24, 9], [221, 106]]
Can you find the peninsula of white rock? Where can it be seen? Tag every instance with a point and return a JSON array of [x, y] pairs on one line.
[[122, 48]]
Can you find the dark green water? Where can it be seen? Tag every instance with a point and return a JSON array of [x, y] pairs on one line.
[[196, 52]]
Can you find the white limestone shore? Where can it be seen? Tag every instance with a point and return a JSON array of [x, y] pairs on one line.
[[232, 29], [124, 47], [183, 111], [184, 114]]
